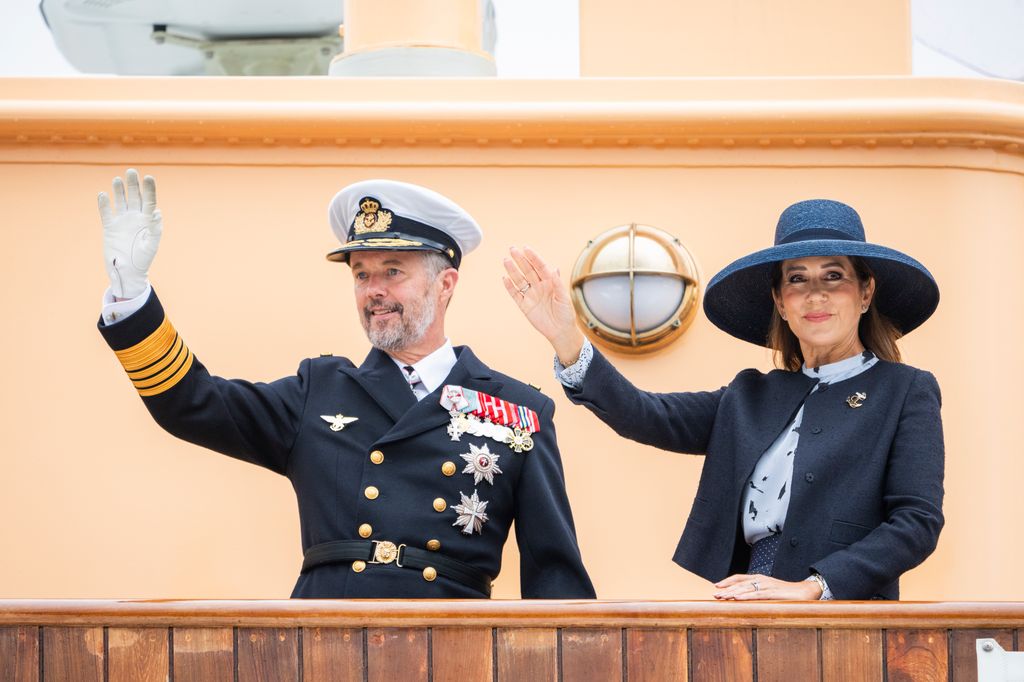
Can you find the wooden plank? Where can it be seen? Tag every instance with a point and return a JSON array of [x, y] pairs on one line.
[[965, 653], [527, 654], [19, 653], [72, 654], [656, 654], [851, 655], [138, 655], [396, 654], [202, 654], [267, 654], [785, 654], [917, 655], [462, 654], [592, 655], [332, 654], [722, 654]]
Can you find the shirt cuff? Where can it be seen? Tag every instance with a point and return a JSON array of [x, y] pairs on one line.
[[573, 375], [826, 593], [115, 311]]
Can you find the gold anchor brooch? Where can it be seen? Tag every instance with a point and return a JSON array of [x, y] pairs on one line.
[[857, 399]]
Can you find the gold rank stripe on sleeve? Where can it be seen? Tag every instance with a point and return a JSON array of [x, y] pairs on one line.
[[158, 362]]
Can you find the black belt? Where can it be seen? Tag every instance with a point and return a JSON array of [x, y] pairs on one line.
[[403, 556]]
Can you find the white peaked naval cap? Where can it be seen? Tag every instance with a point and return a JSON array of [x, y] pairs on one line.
[[387, 215]]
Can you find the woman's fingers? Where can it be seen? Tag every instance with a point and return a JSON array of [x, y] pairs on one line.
[[514, 273], [513, 291], [525, 267], [742, 586], [542, 269], [760, 587]]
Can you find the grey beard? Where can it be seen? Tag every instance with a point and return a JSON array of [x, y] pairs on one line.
[[411, 329]]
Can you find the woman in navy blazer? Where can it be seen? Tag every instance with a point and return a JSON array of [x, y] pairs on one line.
[[822, 479]]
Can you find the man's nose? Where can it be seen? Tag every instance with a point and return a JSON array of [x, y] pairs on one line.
[[375, 287]]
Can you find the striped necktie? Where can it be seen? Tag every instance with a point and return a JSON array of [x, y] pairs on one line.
[[418, 389]]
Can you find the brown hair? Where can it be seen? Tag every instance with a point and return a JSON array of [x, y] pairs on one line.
[[876, 331]]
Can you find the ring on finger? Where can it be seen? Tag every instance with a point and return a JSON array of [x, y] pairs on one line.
[[756, 588], [524, 288]]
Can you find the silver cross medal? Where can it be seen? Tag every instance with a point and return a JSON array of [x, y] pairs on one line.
[[459, 424], [338, 421]]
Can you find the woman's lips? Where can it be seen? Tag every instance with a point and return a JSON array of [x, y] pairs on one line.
[[817, 317]]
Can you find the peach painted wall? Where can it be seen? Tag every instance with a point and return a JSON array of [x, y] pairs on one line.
[[752, 38], [99, 502]]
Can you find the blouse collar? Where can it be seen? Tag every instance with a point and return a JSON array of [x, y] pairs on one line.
[[844, 369]]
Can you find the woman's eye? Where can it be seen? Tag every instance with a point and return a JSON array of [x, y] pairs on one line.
[[833, 275], [796, 279], [360, 275], [392, 272]]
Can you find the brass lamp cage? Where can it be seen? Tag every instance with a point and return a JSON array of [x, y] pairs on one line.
[[633, 341]]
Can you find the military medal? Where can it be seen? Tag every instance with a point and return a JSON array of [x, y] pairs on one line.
[[482, 463], [338, 421], [857, 399], [458, 426], [484, 415], [471, 513], [519, 440]]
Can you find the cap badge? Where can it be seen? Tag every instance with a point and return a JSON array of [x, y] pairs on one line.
[[371, 217]]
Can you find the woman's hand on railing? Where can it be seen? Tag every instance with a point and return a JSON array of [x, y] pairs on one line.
[[744, 587]]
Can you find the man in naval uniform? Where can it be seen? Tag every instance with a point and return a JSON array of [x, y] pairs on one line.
[[410, 468]]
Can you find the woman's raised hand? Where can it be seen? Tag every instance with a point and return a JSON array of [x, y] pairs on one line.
[[544, 299]]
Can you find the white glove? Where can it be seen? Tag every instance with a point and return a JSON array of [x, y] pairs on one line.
[[131, 233]]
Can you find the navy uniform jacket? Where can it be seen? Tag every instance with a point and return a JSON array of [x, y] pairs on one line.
[[279, 426], [867, 490]]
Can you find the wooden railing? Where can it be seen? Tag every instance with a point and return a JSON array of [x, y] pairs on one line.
[[466, 641]]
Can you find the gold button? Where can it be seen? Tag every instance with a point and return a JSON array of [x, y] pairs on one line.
[[448, 468], [376, 456], [440, 505], [433, 545], [358, 566], [365, 530], [371, 492], [429, 573]]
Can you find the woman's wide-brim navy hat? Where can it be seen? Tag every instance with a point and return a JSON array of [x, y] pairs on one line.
[[738, 299]]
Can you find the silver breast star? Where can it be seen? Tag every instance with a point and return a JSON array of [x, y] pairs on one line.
[[471, 513], [482, 463]]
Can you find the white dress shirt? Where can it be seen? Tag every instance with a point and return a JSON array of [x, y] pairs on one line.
[[432, 370]]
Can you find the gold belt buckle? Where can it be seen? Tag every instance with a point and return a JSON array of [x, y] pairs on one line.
[[385, 551]]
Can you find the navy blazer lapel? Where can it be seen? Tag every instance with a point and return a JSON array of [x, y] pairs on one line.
[[382, 380], [427, 413], [788, 391]]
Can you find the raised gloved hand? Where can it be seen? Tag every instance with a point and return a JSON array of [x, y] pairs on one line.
[[131, 233]]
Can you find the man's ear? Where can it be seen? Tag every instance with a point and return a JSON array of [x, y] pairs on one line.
[[449, 278]]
